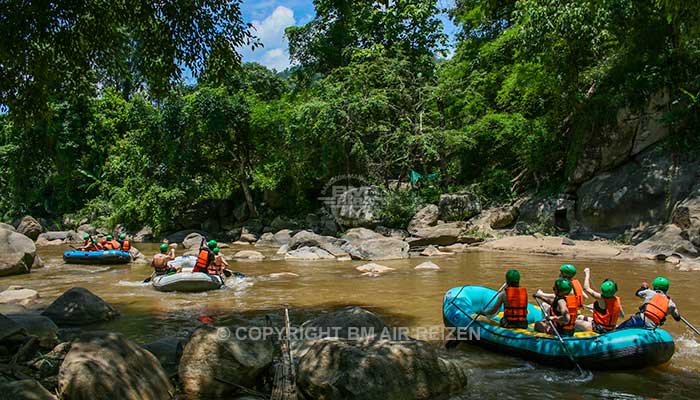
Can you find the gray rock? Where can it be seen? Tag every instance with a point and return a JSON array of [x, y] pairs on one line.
[[374, 268], [547, 213], [280, 223], [7, 226], [668, 241], [357, 236], [309, 254], [686, 215], [381, 249], [309, 239], [108, 366], [78, 306], [10, 330], [459, 207], [432, 251], [17, 253], [214, 363], [438, 235], [358, 206], [41, 327], [392, 232], [424, 218], [30, 227], [18, 295], [180, 236], [54, 235], [168, 351], [349, 322], [249, 255], [193, 241], [248, 237], [282, 237], [26, 389], [144, 235], [87, 228], [427, 266], [503, 217]]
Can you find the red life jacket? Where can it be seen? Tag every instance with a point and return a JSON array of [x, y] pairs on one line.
[[607, 319], [577, 292], [203, 262], [572, 305], [515, 309], [657, 308], [126, 246]]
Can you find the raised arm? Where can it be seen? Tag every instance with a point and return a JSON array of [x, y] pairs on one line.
[[587, 285]]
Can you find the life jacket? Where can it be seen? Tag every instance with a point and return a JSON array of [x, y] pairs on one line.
[[115, 245], [160, 264], [515, 309], [203, 262], [215, 267], [107, 246], [126, 246], [657, 308], [572, 305], [607, 319], [577, 292]]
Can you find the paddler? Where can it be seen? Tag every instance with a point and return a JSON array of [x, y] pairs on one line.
[[562, 309], [205, 257], [657, 306], [124, 244], [514, 301], [160, 262], [568, 271], [606, 309], [110, 244], [217, 267]]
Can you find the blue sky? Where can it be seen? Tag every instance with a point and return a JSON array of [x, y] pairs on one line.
[[271, 17]]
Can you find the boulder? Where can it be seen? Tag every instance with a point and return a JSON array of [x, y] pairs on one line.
[[138, 257], [280, 223], [79, 306], [438, 235], [357, 236], [118, 230], [374, 268], [309, 239], [215, 364], [282, 237], [454, 248], [37, 325], [266, 240], [87, 228], [7, 226], [502, 217], [686, 215], [424, 218], [381, 249], [282, 275], [358, 206], [74, 237], [143, 235], [30, 227], [104, 365], [10, 331], [547, 213], [432, 251], [336, 368], [309, 254], [282, 250], [180, 236], [400, 234], [54, 235], [168, 351], [193, 241], [17, 253], [247, 237], [26, 389], [12, 308], [427, 266], [458, 207], [670, 240], [348, 323], [18, 295], [249, 255]]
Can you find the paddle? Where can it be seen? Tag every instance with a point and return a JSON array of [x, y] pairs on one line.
[[453, 343], [556, 332], [694, 329], [148, 279]]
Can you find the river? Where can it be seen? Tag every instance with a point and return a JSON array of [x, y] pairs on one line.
[[404, 297]]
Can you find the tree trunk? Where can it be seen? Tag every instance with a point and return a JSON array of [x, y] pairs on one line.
[[246, 190]]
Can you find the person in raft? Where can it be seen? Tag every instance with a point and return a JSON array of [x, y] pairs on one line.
[[124, 244], [160, 262], [217, 267], [110, 243], [90, 244], [562, 309], [514, 302], [568, 271], [657, 306], [606, 309], [205, 257]]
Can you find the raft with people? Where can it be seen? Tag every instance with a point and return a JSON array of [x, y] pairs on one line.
[[631, 348], [187, 282], [96, 257]]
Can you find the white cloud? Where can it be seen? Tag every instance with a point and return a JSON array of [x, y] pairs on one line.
[[270, 31]]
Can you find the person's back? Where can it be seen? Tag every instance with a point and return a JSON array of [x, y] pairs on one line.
[[160, 261], [656, 307], [124, 244], [515, 302], [217, 267], [205, 258], [563, 309]]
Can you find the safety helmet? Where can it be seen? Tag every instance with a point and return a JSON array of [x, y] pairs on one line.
[[567, 271], [104, 241], [513, 276], [163, 248], [212, 244], [122, 236], [562, 286], [608, 288], [109, 237], [660, 283], [86, 237], [216, 250]]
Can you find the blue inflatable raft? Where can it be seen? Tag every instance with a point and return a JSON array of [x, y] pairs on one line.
[[622, 349], [96, 257]]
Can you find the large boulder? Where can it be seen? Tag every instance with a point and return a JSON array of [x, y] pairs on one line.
[[358, 206], [26, 389], [30, 227], [193, 241], [109, 366], [335, 368], [459, 207], [215, 364], [10, 331], [380, 249], [168, 351], [37, 325], [502, 217], [349, 322], [553, 213], [442, 235], [17, 253], [143, 235], [686, 215], [7, 226], [642, 192], [79, 306], [307, 253], [668, 241], [425, 217], [249, 255], [18, 295], [356, 236], [87, 228], [52, 238], [311, 240], [180, 236]]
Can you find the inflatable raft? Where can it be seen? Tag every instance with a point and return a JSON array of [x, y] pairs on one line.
[[623, 349], [96, 257], [187, 282]]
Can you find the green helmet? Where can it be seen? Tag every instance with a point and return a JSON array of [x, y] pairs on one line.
[[122, 236], [608, 288], [512, 276], [562, 286], [86, 237], [212, 244], [163, 248], [216, 250], [109, 237], [660, 283], [567, 271]]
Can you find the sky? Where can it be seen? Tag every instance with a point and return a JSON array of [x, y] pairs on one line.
[[271, 17]]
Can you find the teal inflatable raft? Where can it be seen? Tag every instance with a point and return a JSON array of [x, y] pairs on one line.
[[622, 349]]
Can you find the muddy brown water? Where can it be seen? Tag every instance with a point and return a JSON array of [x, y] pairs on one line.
[[404, 297]]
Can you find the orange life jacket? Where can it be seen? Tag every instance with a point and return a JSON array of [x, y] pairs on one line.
[[202, 264], [515, 309], [607, 319], [578, 292], [572, 305], [107, 246], [115, 245], [126, 246], [657, 308], [215, 267]]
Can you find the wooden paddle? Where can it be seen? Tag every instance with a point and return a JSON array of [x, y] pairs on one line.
[[694, 329], [561, 340], [453, 343]]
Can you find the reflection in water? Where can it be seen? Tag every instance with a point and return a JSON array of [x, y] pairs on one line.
[[404, 297]]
